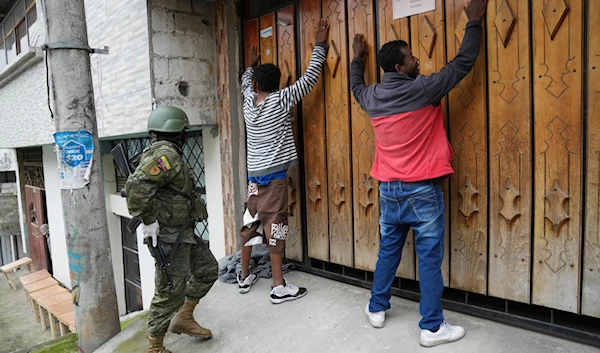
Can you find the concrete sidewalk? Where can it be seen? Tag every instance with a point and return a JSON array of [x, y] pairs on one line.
[[329, 319], [18, 329]]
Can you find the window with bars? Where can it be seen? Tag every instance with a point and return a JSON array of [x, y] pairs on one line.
[[193, 155], [15, 29]]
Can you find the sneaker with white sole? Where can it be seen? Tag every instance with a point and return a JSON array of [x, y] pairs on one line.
[[245, 285], [376, 319], [286, 292], [446, 334]]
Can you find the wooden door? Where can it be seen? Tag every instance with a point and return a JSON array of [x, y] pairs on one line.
[[315, 161], [366, 189], [557, 97], [590, 300], [286, 49], [510, 147], [36, 217], [469, 185], [337, 121]]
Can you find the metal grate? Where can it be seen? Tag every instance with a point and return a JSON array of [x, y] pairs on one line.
[[32, 155], [193, 155]]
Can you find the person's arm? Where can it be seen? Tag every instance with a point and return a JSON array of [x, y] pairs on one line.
[[438, 85], [254, 57], [142, 185], [357, 70], [292, 94]]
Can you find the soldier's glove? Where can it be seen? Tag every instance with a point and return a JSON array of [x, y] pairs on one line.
[[151, 231]]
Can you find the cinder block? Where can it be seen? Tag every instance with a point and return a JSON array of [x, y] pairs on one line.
[[204, 47], [188, 70], [171, 46], [190, 24], [163, 20], [161, 68], [178, 5]]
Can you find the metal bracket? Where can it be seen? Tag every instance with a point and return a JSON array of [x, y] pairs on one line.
[[74, 46]]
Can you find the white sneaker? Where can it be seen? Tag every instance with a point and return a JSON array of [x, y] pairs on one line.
[[445, 334], [286, 292], [377, 319], [245, 285]]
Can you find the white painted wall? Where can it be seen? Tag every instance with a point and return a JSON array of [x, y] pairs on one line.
[[56, 221], [10, 155], [114, 232], [214, 193], [118, 206]]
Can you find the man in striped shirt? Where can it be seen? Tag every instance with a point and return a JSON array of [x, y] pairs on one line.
[[271, 151]]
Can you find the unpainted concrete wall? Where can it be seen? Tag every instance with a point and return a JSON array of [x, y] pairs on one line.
[[183, 56]]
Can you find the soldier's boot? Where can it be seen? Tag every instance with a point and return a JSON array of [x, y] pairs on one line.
[[184, 322], [155, 345]]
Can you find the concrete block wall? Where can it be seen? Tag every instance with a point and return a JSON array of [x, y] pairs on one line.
[[183, 56], [122, 88]]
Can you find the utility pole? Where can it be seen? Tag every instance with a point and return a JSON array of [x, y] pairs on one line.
[[88, 244]]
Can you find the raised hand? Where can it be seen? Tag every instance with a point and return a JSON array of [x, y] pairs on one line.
[[360, 47], [476, 9], [323, 31], [253, 55]]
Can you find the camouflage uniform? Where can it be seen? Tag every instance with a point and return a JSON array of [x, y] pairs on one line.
[[150, 196]]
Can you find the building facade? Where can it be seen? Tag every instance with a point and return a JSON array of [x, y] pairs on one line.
[[160, 53]]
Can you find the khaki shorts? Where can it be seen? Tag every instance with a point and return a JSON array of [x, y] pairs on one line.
[[266, 218]]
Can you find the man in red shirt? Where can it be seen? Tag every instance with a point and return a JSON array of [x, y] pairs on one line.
[[412, 155]]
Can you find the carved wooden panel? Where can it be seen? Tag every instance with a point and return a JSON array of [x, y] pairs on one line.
[[590, 301], [510, 149], [250, 38], [558, 153], [389, 30], [315, 154], [286, 50], [268, 38], [428, 44], [361, 19], [337, 113], [468, 209]]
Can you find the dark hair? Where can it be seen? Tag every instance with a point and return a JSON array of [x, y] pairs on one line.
[[390, 55], [267, 77]]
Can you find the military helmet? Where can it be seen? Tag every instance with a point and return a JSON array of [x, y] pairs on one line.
[[168, 119]]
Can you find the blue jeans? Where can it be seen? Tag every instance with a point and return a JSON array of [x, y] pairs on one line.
[[419, 206]]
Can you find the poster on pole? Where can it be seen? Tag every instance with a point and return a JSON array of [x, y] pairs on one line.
[[407, 8], [74, 150]]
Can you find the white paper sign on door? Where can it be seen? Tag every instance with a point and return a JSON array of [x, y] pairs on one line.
[[406, 8]]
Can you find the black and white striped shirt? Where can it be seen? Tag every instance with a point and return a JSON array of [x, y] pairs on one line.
[[269, 136]]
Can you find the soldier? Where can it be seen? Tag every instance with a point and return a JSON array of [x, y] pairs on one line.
[[161, 192]]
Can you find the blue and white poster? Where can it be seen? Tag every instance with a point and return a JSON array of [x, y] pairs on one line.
[[74, 150]]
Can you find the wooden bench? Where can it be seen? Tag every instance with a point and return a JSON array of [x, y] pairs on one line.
[[67, 321], [52, 306], [34, 277], [26, 280], [8, 268], [41, 289], [55, 311]]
